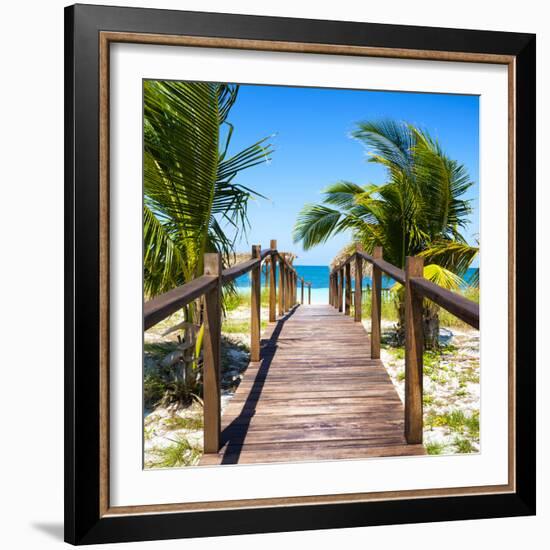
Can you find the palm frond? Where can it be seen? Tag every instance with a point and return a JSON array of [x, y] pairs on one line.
[[315, 224], [192, 195], [453, 255]]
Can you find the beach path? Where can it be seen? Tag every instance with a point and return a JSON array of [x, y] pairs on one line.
[[315, 395]]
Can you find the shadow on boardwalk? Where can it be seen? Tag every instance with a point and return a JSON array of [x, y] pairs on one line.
[[316, 394], [234, 435]]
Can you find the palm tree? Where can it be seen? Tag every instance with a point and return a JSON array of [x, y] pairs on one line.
[[192, 203], [420, 210]]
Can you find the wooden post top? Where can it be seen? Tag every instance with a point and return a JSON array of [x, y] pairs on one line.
[[213, 264], [414, 266]]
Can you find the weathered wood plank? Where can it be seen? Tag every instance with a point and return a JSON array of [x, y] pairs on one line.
[[272, 286], [376, 306], [212, 356], [255, 306], [316, 394], [414, 347]]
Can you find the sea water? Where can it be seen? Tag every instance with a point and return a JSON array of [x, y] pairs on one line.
[[318, 276]]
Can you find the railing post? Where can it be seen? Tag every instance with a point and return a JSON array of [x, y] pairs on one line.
[[376, 305], [289, 301], [347, 309], [281, 287], [340, 290], [358, 287], [287, 288], [414, 348], [302, 291], [309, 294], [272, 285], [212, 356], [255, 302]]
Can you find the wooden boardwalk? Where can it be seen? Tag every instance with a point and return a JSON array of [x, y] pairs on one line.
[[315, 395]]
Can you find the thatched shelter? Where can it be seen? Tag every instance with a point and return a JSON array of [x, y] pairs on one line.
[[345, 253]]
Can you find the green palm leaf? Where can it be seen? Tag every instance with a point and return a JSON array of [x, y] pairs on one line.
[[193, 201]]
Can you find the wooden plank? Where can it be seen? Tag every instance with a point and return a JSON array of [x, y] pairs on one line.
[[358, 288], [376, 305], [414, 347], [281, 304], [255, 306], [231, 273], [157, 309], [389, 269], [340, 290], [287, 289], [212, 355], [347, 309], [316, 394], [324, 450], [272, 286]]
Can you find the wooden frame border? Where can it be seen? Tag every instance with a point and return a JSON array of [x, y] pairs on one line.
[[106, 38], [103, 512]]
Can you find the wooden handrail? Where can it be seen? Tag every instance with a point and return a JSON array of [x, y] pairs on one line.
[[267, 252], [454, 303], [162, 306], [231, 273], [389, 269], [157, 309], [210, 286], [466, 310], [416, 289]]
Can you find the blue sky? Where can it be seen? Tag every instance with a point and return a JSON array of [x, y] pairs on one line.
[[313, 148]]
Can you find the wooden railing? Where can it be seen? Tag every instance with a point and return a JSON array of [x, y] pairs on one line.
[[209, 286], [416, 289]]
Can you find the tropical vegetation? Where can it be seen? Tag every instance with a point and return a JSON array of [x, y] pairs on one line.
[[421, 209], [193, 203]]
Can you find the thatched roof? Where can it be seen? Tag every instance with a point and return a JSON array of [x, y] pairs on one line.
[[345, 253], [243, 256]]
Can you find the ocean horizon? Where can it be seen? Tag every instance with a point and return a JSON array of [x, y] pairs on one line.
[[318, 276]]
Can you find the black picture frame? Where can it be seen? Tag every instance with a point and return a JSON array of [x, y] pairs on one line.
[[83, 521]]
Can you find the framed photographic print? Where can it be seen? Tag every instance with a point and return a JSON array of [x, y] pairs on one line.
[[299, 269]]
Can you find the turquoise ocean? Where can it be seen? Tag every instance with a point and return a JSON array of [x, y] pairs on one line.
[[318, 276]]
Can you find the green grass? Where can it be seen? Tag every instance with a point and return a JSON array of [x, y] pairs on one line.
[[389, 309], [182, 453], [239, 326], [427, 399], [242, 298], [434, 448], [463, 445], [456, 421], [194, 422]]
